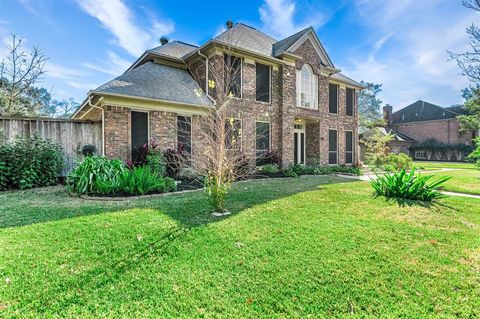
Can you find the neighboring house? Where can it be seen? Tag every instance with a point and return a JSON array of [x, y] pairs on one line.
[[418, 127], [289, 89]]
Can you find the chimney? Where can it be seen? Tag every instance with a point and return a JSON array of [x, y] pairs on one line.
[[229, 24], [387, 114], [163, 40]]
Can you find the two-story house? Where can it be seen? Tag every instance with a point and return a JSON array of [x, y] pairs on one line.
[[289, 90]]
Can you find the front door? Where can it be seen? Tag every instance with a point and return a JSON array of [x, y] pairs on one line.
[[299, 143], [139, 132]]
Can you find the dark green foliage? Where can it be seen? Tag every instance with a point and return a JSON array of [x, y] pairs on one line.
[[98, 175], [270, 169], [324, 170], [410, 186], [435, 146], [475, 155], [29, 162]]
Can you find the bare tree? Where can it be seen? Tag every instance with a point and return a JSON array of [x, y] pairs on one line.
[[469, 62], [218, 151], [19, 71]]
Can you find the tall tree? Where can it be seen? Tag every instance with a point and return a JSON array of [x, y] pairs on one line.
[[369, 105], [19, 71], [469, 63]]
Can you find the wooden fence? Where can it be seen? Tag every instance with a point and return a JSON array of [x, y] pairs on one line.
[[71, 134]]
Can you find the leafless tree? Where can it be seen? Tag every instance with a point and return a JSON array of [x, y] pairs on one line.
[[469, 62], [19, 71], [218, 155]]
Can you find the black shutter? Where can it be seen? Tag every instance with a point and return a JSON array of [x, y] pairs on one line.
[[332, 98], [139, 132], [262, 83]]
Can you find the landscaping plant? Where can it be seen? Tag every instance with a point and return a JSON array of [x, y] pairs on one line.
[[141, 180], [398, 162], [475, 155], [29, 162], [410, 186], [270, 169]]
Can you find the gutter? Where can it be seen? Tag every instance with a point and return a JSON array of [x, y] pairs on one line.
[[103, 121]]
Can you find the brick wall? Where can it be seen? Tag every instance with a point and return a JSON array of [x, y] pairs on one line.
[[117, 132], [444, 131]]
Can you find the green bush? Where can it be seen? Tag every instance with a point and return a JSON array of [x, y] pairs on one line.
[[297, 169], [156, 161], [96, 174], [29, 162], [475, 155], [216, 189], [411, 186], [289, 172], [398, 162], [141, 180], [270, 169]]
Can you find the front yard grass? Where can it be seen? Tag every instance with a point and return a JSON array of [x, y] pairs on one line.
[[462, 181], [319, 246], [431, 165]]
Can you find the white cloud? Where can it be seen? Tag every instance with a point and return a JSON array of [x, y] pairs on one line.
[[81, 85], [116, 17], [278, 17], [409, 41], [114, 64], [61, 72]]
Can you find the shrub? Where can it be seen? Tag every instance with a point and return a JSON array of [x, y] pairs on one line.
[[156, 162], [405, 185], [289, 172], [270, 169], [216, 189], [141, 180], [398, 162], [475, 155], [96, 174], [297, 169], [29, 162]]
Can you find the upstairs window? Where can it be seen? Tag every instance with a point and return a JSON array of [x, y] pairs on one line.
[[233, 76], [307, 88], [333, 98], [350, 102], [263, 86]]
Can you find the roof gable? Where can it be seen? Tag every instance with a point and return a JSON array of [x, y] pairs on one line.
[[243, 36], [293, 42], [174, 49], [422, 111]]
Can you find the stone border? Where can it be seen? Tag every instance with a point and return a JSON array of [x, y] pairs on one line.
[[127, 198]]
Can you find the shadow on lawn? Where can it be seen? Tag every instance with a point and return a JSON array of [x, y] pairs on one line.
[[23, 208]]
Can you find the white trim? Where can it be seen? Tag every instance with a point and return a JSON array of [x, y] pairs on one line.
[[299, 146]]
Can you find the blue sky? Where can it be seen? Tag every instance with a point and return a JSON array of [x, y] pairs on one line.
[[400, 43]]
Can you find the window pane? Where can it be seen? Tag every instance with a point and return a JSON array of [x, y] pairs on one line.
[[184, 134], [332, 158], [262, 139], [262, 83], [350, 96], [348, 141], [332, 140], [306, 98], [233, 76], [333, 98], [349, 158]]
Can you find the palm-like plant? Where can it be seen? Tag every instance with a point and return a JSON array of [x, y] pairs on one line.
[[408, 186]]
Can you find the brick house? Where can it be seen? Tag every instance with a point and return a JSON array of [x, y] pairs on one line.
[[421, 122], [288, 89]]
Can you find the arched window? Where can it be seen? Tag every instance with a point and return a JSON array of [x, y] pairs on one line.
[[307, 88]]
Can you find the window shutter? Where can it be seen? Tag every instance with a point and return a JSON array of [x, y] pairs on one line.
[[299, 90], [315, 92]]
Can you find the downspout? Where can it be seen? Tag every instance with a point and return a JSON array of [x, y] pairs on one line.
[[206, 76], [103, 122]]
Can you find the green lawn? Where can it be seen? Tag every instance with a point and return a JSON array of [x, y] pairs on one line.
[[430, 165], [300, 247]]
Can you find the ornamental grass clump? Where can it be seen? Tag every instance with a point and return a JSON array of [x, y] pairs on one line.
[[409, 186]]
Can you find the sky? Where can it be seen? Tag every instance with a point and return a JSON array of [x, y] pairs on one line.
[[402, 44]]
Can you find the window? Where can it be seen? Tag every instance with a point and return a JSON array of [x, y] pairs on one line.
[[348, 147], [184, 134], [420, 155], [233, 76], [350, 101], [333, 98], [307, 88], [233, 134], [263, 87], [262, 140], [332, 147]]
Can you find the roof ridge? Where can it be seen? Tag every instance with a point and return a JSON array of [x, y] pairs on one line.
[[253, 28], [291, 36]]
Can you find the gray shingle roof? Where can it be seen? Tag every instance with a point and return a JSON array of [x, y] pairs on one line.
[[175, 49], [343, 78], [249, 38], [157, 81], [422, 111], [281, 46]]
